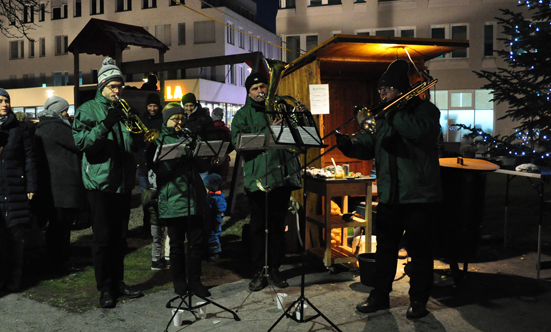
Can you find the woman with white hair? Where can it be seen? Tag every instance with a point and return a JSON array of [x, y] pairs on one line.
[[62, 193]]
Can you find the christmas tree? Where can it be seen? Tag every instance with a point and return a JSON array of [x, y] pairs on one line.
[[526, 84]]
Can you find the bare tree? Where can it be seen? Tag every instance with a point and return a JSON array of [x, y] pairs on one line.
[[18, 17]]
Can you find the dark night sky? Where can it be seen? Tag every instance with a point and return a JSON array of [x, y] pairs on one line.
[[267, 11]]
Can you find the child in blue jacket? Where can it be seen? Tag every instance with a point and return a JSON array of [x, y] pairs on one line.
[[215, 212]]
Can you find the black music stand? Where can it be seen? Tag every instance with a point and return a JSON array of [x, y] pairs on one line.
[[304, 136], [190, 147]]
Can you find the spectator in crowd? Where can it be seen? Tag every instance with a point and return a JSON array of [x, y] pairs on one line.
[[109, 175], [17, 187], [216, 206], [62, 193], [251, 118], [224, 134], [182, 205], [22, 118], [151, 84]]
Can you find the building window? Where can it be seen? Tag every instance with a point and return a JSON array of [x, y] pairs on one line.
[[231, 74], [324, 2], [241, 39], [311, 42], [146, 4], [293, 48], [489, 29], [123, 6], [61, 45], [42, 47], [230, 35], [172, 3], [251, 42], [407, 32], [469, 107], [385, 32], [58, 78], [287, 4], [453, 31], [96, 7], [181, 33], [203, 32], [17, 49], [31, 48], [162, 32], [28, 14], [42, 12], [77, 8], [59, 9]]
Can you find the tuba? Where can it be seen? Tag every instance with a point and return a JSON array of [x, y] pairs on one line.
[[275, 104], [133, 122]]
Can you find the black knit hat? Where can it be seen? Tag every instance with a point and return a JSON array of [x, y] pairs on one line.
[[255, 78], [396, 76], [153, 98], [213, 182], [189, 98]]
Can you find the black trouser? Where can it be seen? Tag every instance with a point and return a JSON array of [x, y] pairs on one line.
[[278, 205], [58, 234], [109, 214], [417, 221], [11, 250], [177, 230]]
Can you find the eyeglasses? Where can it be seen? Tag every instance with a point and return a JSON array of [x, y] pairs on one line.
[[115, 87], [178, 119], [386, 90]]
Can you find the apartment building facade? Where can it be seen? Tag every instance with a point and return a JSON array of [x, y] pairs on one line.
[[192, 29], [303, 24]]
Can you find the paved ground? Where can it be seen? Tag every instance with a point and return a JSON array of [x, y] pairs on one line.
[[501, 295]]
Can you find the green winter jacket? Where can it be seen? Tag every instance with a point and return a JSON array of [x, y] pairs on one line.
[[180, 187], [251, 119], [108, 161], [405, 148]]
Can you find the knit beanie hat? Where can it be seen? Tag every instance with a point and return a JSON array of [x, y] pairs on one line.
[[170, 110], [217, 114], [255, 78], [153, 98], [4, 93], [188, 98], [108, 72], [396, 76], [213, 182], [56, 105]]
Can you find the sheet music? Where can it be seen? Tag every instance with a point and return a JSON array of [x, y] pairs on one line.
[[251, 141], [170, 151], [213, 148], [309, 135]]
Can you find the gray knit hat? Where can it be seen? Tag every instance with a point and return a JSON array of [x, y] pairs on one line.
[[108, 72], [170, 110], [55, 104], [217, 114], [4, 93]]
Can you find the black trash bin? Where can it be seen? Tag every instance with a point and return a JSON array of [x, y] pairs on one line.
[[367, 268]]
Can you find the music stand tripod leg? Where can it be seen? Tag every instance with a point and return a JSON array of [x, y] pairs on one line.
[[302, 298]]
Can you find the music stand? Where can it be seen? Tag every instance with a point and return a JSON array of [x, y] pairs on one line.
[[303, 137], [190, 148]]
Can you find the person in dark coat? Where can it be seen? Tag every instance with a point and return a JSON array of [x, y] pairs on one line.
[[17, 187], [224, 134], [405, 146], [62, 193], [198, 118], [151, 83]]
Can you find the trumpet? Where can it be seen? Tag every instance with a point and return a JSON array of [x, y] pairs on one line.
[[134, 124]]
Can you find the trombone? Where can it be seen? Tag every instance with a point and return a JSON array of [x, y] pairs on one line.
[[134, 124]]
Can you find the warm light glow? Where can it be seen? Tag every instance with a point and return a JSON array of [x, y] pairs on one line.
[[49, 93], [177, 95]]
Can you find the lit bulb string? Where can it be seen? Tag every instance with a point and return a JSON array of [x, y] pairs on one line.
[[229, 26]]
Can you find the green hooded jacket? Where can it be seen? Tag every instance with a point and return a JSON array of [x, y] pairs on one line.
[[108, 161], [405, 148], [281, 165], [181, 190]]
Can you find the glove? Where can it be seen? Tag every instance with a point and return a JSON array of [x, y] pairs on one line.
[[114, 115], [343, 142]]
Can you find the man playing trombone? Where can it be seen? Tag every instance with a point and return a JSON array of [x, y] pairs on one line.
[[408, 182], [108, 174], [252, 118]]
